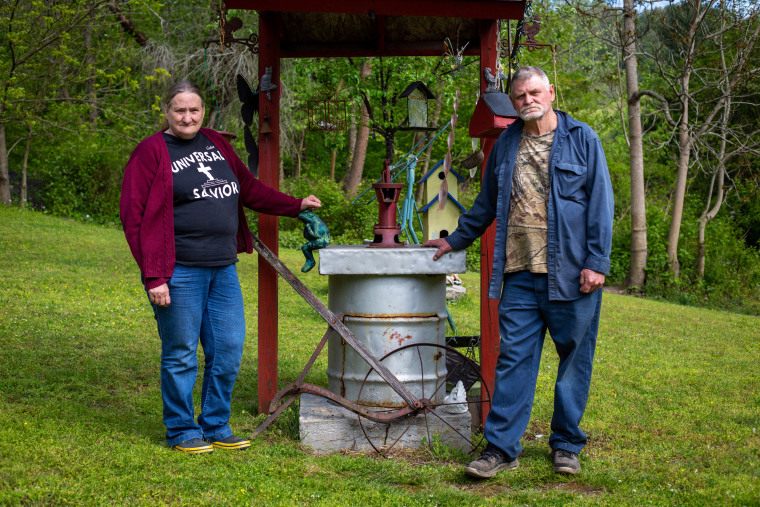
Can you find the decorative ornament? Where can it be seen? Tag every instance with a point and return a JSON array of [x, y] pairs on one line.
[[326, 112], [444, 192]]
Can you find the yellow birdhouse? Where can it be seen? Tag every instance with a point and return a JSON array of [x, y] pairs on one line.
[[438, 223]]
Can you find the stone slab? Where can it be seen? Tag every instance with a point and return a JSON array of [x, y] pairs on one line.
[[326, 428], [454, 292], [410, 260]]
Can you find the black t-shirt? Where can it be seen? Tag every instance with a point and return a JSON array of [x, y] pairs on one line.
[[206, 194]]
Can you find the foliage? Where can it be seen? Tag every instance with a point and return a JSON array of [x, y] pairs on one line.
[[732, 275], [672, 416], [86, 102], [348, 223]]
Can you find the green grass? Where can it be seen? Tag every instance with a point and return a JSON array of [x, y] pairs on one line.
[[673, 417]]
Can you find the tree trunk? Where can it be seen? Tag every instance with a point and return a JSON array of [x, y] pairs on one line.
[[351, 138], [637, 268], [355, 172], [707, 215], [299, 153], [332, 165], [5, 188], [390, 145], [89, 61], [682, 173], [24, 165], [127, 25]]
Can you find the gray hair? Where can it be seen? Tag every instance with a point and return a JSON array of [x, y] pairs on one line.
[[182, 87], [528, 72], [179, 87]]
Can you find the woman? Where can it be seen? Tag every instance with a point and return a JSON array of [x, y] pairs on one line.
[[182, 210]]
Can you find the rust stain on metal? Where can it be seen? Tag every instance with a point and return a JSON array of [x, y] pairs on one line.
[[394, 315], [382, 404], [399, 338]]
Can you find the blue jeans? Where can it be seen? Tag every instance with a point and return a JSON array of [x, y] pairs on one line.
[[525, 314], [206, 303]]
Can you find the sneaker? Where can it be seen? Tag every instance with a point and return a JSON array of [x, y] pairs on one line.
[[231, 442], [565, 462], [492, 460], [193, 446]]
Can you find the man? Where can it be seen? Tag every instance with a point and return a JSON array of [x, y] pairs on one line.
[[547, 185]]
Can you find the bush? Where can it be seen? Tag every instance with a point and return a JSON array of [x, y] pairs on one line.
[[348, 223], [732, 269], [82, 183]]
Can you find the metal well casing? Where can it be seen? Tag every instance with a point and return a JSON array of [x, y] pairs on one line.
[[389, 297]]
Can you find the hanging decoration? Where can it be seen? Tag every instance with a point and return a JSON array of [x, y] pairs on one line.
[[326, 112], [454, 54], [249, 105], [444, 192], [529, 26], [226, 32]]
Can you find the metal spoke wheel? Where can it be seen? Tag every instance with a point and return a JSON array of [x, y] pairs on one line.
[[431, 372]]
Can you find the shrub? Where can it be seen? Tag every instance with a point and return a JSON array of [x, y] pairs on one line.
[[348, 223]]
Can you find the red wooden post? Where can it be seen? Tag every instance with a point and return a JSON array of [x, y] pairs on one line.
[[269, 151], [489, 308]]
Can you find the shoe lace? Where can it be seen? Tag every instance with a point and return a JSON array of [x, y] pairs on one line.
[[491, 451], [564, 453]]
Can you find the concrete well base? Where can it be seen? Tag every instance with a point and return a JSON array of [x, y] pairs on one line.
[[326, 428]]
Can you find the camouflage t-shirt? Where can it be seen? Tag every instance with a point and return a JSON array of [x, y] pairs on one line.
[[526, 225]]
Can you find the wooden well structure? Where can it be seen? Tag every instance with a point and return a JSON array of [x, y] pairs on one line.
[[364, 28]]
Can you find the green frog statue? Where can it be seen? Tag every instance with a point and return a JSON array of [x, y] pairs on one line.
[[317, 234]]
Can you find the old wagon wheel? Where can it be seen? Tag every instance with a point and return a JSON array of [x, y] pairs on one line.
[[437, 366]]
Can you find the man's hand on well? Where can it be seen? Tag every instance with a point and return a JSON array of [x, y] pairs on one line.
[[441, 244]]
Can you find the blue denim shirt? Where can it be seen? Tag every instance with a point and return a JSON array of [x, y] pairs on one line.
[[580, 209]]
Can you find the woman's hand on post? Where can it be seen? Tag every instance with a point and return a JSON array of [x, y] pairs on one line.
[[441, 244], [160, 295], [310, 202]]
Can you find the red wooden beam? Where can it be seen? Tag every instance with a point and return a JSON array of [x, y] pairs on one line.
[[358, 49], [380, 22], [489, 308], [269, 226], [480, 9]]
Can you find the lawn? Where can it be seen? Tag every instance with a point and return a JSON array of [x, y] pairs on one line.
[[673, 416]]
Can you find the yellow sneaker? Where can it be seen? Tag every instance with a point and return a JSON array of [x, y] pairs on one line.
[[193, 446], [231, 442]]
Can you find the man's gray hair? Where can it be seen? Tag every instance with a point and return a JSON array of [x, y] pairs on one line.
[[528, 72]]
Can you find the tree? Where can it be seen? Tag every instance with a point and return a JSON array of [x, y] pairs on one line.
[[359, 148], [30, 32], [735, 138], [637, 267], [687, 34]]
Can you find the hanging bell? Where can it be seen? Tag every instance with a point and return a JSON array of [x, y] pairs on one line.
[[265, 128]]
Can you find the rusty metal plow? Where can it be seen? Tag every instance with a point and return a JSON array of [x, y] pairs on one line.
[[423, 406]]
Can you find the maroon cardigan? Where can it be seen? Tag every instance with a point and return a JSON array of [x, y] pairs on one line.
[[146, 207]]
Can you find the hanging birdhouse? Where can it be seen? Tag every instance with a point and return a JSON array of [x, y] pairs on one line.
[[417, 96], [439, 223], [493, 113], [325, 112]]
